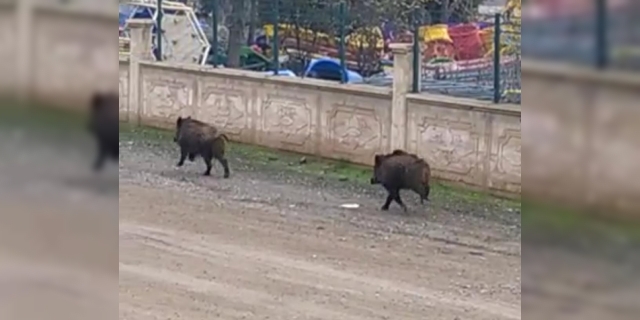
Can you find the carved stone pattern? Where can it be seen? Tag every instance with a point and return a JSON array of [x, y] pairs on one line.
[[509, 152], [123, 91], [449, 146], [353, 128], [165, 96], [225, 108], [8, 48], [287, 119]]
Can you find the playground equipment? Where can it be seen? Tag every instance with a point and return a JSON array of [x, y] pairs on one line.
[[438, 43], [330, 69], [183, 40], [466, 40], [364, 43], [511, 29]]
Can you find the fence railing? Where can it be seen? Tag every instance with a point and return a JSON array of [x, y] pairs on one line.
[[475, 60], [348, 41], [604, 36]]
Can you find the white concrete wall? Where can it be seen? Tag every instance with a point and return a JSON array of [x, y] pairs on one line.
[[57, 53]]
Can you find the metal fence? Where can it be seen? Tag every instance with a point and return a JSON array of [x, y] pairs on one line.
[[348, 41], [478, 60], [346, 33], [603, 38]]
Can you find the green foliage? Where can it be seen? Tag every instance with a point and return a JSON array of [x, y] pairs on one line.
[[322, 18]]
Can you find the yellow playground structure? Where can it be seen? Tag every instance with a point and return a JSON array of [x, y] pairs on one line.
[[510, 30]]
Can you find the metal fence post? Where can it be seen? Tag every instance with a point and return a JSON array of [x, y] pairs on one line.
[[341, 20], [415, 84], [602, 49], [214, 31], [159, 16], [497, 92], [276, 38]]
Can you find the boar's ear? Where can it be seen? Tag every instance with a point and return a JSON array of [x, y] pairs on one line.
[[96, 100], [378, 159], [179, 121]]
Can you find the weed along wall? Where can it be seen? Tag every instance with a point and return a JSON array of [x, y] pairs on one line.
[[465, 141]]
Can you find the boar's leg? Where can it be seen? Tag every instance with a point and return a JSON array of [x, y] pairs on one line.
[[207, 156], [393, 194], [427, 190], [396, 198], [115, 152], [387, 203], [183, 156], [207, 162], [100, 158], [225, 164]]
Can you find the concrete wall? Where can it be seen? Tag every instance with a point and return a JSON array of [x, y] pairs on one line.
[[57, 53], [305, 116], [583, 136], [465, 141], [63, 54], [8, 42]]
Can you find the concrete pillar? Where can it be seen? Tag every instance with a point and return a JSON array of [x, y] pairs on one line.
[[402, 80], [140, 50], [24, 48]]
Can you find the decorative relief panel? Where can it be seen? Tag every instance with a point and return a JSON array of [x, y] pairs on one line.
[[226, 107], [123, 91], [354, 131], [506, 154], [166, 95], [447, 139], [8, 48], [288, 121]]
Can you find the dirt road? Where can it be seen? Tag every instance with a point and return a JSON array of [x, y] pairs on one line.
[[260, 247]]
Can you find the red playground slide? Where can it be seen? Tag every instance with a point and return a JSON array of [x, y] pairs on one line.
[[467, 41]]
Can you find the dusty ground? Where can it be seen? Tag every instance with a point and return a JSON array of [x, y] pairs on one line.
[[274, 244], [271, 242]]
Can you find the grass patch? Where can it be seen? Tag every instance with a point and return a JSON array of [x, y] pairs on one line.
[[40, 117], [553, 222], [321, 168]]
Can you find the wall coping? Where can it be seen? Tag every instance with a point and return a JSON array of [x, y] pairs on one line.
[[83, 12], [580, 74], [7, 4], [465, 103], [312, 84]]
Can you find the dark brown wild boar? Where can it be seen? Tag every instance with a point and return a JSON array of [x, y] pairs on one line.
[[197, 138], [104, 125], [401, 170]]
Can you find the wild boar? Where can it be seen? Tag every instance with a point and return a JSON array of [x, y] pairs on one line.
[[401, 170], [197, 138], [104, 126]]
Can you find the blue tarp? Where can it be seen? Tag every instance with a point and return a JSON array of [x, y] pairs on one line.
[[330, 69], [127, 11]]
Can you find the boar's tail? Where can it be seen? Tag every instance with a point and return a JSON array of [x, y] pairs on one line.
[[426, 175], [224, 136]]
